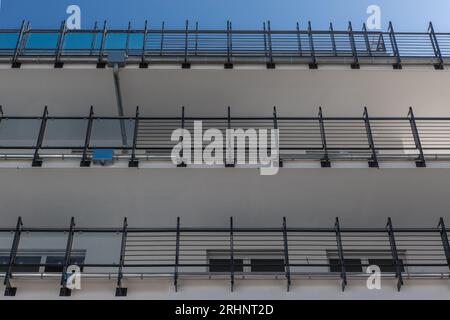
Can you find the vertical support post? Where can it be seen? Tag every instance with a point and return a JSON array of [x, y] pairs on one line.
[[277, 137], [398, 64], [436, 48], [270, 64], [265, 40], [394, 252], [229, 161], [85, 162], [101, 62], [19, 45], [134, 163], [64, 291], [299, 41], [420, 161], [231, 254], [62, 35], [313, 64], [340, 248], [373, 162], [196, 38], [325, 161], [127, 42], [444, 237], [286, 255], [182, 164], [161, 50], [229, 64], [333, 40], [37, 161], [9, 290], [121, 291], [351, 34], [186, 64], [143, 64], [366, 39], [177, 255], [94, 38]]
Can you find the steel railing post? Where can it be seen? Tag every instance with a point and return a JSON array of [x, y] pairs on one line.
[[229, 63], [396, 51], [9, 290], [333, 40], [120, 290], [394, 252], [299, 40], [366, 40], [270, 64], [186, 64], [85, 161], [231, 254], [161, 49], [144, 64], [134, 163], [277, 137], [65, 291], [62, 35], [325, 161], [313, 64], [183, 163], [196, 39], [444, 237], [127, 42], [101, 62], [373, 162], [286, 255], [340, 249], [229, 159], [177, 255], [420, 161], [436, 48], [19, 45], [355, 64], [37, 160]]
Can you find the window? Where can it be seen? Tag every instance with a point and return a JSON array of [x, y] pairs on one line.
[[386, 265], [59, 260], [20, 265], [267, 265], [358, 261], [351, 265], [254, 261], [224, 265]]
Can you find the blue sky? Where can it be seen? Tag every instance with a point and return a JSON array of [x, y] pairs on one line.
[[406, 14]]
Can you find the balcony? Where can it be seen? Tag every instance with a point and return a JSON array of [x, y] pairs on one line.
[[235, 254], [228, 47], [327, 141]]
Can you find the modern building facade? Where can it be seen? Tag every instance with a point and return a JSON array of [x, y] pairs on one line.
[[85, 138]]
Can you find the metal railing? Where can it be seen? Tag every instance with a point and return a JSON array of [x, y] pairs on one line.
[[234, 253], [227, 46], [138, 138]]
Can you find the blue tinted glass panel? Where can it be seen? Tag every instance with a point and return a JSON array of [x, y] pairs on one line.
[[8, 40], [42, 41], [116, 41], [136, 41], [80, 41]]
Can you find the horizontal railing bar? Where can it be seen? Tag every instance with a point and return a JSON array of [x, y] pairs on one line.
[[224, 230]]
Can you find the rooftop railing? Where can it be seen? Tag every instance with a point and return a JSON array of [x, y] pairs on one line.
[[139, 138], [228, 46], [284, 253]]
